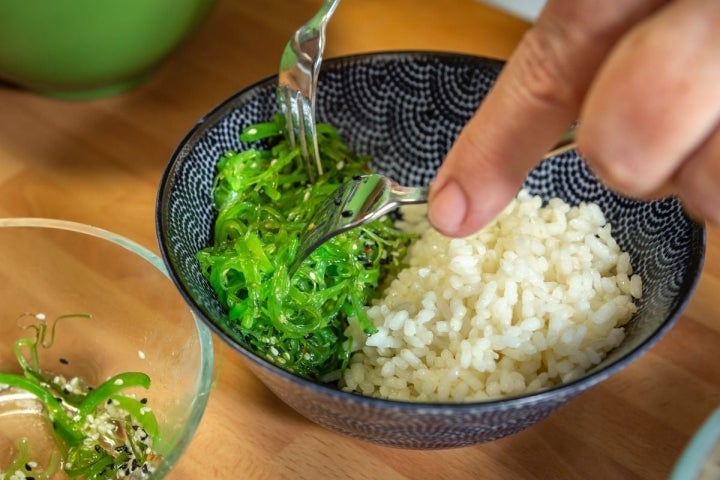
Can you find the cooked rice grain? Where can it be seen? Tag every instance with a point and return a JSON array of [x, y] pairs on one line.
[[533, 300]]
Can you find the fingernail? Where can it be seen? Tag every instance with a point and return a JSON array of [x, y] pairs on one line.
[[447, 208]]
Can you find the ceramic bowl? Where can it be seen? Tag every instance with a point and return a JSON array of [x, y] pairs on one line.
[[81, 49], [98, 306], [701, 458], [404, 109]]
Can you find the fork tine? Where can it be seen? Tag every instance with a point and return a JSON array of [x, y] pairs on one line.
[[300, 128], [308, 135], [297, 81], [284, 101]]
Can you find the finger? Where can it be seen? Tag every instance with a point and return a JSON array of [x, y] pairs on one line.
[[534, 101], [698, 181], [656, 99]]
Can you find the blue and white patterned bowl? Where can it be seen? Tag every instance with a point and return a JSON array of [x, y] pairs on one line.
[[404, 109]]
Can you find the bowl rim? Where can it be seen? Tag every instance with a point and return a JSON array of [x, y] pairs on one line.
[[698, 450], [570, 388], [205, 341]]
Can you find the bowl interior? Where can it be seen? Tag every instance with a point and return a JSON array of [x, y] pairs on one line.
[[405, 109], [138, 323]]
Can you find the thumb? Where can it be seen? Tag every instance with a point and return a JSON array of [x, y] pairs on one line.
[[477, 181], [490, 159]]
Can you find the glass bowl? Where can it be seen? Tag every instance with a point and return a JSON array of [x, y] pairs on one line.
[[83, 303]]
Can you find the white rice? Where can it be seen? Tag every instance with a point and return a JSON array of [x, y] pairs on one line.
[[533, 300]]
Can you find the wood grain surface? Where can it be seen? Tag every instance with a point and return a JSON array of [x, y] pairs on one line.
[[99, 162]]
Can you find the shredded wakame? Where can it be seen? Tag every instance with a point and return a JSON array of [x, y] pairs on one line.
[[264, 201], [101, 432]]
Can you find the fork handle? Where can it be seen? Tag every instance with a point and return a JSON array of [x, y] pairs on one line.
[[326, 10], [408, 195], [565, 144]]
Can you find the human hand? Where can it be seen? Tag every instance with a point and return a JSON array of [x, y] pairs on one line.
[[643, 79]]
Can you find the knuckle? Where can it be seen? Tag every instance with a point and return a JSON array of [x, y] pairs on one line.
[[557, 59], [543, 73]]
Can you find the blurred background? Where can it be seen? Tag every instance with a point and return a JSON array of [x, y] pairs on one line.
[[527, 9], [99, 161]]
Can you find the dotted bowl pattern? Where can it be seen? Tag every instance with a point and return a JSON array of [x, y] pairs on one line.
[[404, 109]]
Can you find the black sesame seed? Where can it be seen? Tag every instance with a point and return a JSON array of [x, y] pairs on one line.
[[145, 468], [28, 467], [346, 213], [109, 401], [64, 361], [143, 401]]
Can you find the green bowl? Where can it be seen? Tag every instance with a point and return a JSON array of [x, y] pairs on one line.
[[80, 49]]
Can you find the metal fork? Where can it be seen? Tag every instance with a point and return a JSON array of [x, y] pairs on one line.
[[366, 198], [297, 82]]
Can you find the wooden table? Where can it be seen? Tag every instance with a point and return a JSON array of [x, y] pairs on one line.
[[100, 162]]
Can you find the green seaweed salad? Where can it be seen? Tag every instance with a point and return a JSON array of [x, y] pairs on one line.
[[264, 201], [101, 433]]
